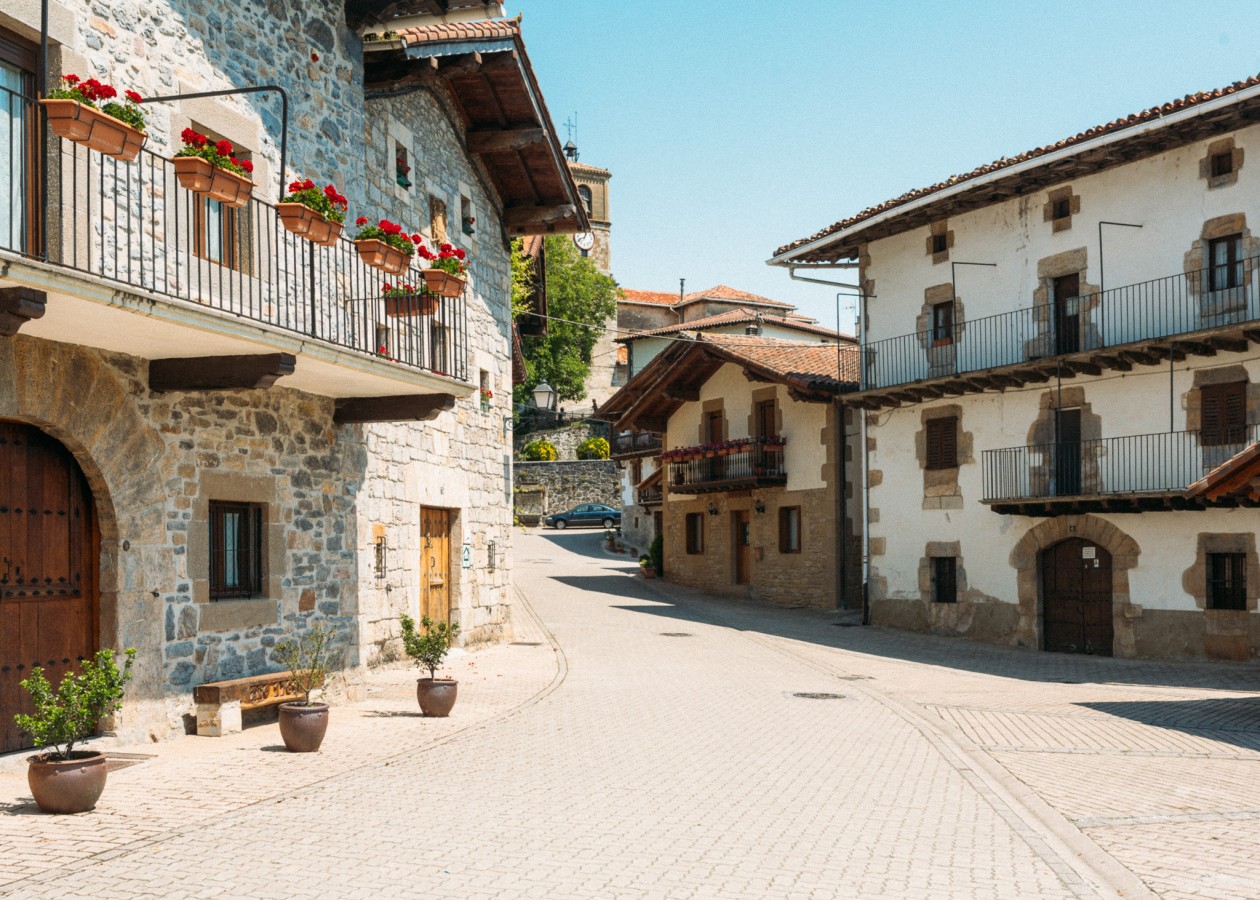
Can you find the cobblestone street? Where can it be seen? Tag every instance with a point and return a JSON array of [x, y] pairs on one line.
[[640, 740]]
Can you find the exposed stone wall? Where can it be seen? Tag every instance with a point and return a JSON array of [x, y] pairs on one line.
[[152, 460], [565, 440], [568, 483]]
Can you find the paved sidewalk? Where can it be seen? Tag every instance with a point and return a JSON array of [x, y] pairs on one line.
[[659, 743]]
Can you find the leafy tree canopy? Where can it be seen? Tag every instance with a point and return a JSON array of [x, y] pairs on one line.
[[580, 300]]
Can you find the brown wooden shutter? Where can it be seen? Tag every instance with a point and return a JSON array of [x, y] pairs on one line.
[[942, 443], [1223, 413]]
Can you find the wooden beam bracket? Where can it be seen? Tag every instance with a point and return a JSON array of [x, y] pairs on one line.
[[19, 305], [404, 408], [219, 373]]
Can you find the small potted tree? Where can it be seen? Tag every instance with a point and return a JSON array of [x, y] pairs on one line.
[[436, 695], [304, 722], [384, 246], [210, 168], [87, 113], [62, 779], [447, 267], [316, 214]]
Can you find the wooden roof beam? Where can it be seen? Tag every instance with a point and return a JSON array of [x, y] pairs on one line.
[[487, 140], [521, 219], [458, 65]]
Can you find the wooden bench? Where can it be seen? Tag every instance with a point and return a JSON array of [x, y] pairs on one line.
[[220, 703]]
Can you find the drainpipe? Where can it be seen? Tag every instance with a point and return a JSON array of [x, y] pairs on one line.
[[843, 467]]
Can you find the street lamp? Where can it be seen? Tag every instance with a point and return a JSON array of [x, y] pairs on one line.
[[544, 395]]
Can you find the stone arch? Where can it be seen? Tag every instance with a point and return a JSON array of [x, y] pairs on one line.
[[1025, 558], [79, 400]]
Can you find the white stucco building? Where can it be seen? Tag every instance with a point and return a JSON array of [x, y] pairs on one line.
[[1055, 348]]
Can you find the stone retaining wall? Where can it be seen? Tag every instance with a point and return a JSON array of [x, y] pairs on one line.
[[567, 483]]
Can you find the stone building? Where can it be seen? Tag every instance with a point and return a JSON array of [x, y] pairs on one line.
[[1061, 387], [212, 433], [751, 490]]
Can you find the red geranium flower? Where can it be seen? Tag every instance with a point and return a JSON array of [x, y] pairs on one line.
[[416, 238], [134, 97], [460, 254], [224, 148], [361, 221], [247, 166], [70, 79]]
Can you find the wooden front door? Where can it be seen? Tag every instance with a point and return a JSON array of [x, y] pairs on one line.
[[49, 553], [435, 564], [1067, 317], [1076, 587], [743, 546]]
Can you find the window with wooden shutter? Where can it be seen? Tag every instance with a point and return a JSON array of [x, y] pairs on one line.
[[765, 418], [942, 443], [1223, 413], [1225, 263], [695, 533], [943, 323], [1227, 584]]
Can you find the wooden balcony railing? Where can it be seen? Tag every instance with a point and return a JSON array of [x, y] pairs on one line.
[[748, 466], [636, 443]]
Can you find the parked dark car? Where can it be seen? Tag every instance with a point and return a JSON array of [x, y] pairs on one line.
[[585, 514]]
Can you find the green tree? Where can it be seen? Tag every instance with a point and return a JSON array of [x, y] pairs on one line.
[[580, 300]]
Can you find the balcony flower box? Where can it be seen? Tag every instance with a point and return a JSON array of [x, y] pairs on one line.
[[446, 271], [94, 129], [384, 246], [211, 170], [404, 301], [314, 213], [443, 283], [114, 129]]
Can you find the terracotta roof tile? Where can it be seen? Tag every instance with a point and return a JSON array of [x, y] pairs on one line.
[[725, 293], [657, 298], [1146, 115], [461, 31], [741, 316], [816, 365]]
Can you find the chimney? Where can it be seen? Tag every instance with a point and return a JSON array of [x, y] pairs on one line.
[[753, 328]]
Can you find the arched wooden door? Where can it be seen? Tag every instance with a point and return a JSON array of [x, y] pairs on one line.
[[1076, 590], [49, 553]]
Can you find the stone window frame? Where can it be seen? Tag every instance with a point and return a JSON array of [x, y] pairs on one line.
[[1089, 296], [1207, 165], [398, 135], [1235, 577], [941, 489], [1042, 432], [1061, 204], [941, 443], [1192, 401], [250, 549], [764, 395], [940, 356], [1195, 579], [933, 551], [237, 250], [938, 232], [231, 614], [1213, 305], [944, 579]]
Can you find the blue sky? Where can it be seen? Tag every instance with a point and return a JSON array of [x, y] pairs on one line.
[[732, 128]]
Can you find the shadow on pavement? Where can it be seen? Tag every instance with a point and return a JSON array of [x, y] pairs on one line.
[[1231, 720]]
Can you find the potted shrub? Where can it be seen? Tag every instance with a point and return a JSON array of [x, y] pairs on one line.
[[113, 128], [384, 246], [646, 567], [210, 169], [303, 723], [445, 274], [436, 695], [403, 300], [316, 214], [62, 779]]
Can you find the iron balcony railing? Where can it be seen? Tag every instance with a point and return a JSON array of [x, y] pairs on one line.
[[752, 463], [1137, 464], [1208, 298], [134, 226], [636, 442]]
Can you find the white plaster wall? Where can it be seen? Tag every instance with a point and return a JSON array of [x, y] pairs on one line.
[[805, 453], [1163, 193]]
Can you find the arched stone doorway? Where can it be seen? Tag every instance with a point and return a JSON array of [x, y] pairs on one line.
[[1076, 608], [49, 567], [1026, 559]]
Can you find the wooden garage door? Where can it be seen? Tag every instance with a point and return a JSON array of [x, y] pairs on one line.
[[435, 564], [1076, 588], [48, 561]]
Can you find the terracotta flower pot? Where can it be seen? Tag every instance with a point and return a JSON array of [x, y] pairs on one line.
[[413, 305], [300, 219], [444, 283], [436, 696], [303, 727], [67, 786], [200, 177], [380, 255], [93, 129]]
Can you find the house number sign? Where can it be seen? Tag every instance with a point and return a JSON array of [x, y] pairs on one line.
[[465, 557]]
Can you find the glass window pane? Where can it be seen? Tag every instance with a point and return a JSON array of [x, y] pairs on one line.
[[231, 549], [13, 159]]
